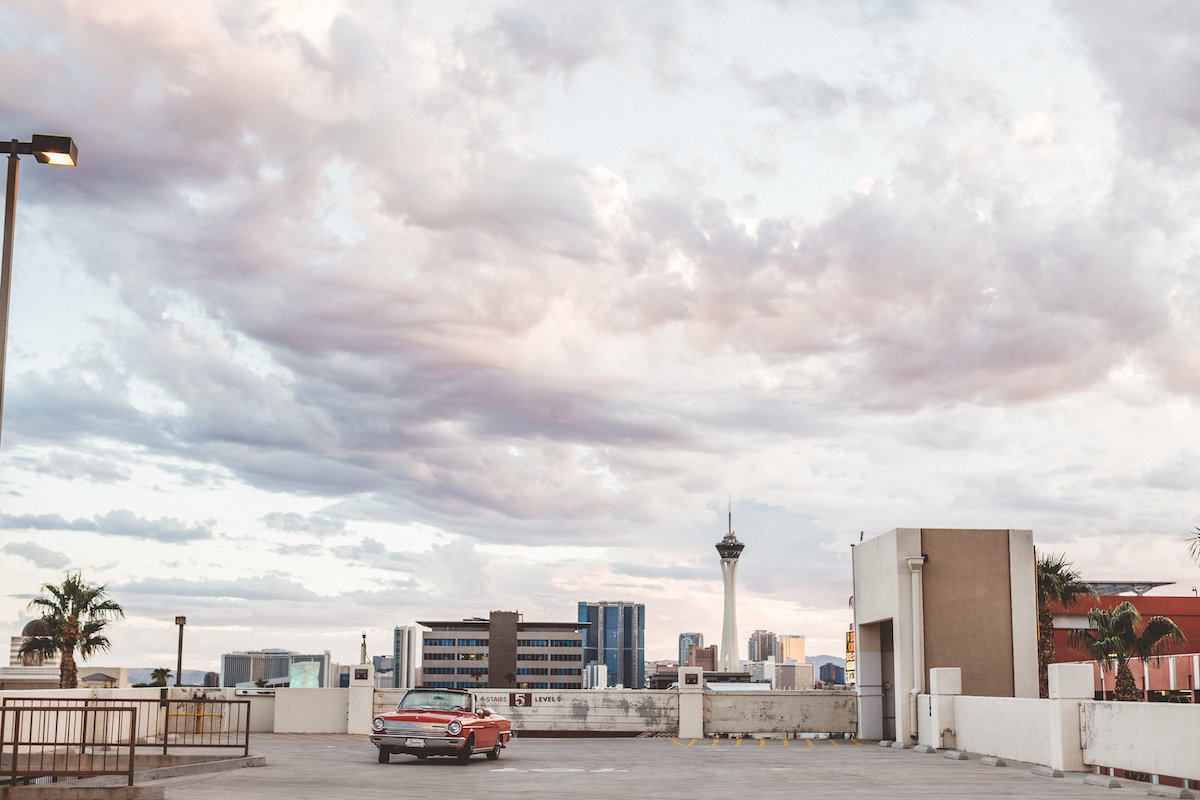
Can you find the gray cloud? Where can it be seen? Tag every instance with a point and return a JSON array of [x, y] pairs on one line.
[[40, 556], [119, 522]]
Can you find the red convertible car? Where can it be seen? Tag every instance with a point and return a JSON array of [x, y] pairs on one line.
[[440, 722]]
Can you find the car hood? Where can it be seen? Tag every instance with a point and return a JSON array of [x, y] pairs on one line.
[[428, 716]]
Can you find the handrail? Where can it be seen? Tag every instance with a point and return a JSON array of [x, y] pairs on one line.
[[67, 740]]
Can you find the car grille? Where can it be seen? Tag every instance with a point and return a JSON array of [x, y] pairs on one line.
[[411, 728]]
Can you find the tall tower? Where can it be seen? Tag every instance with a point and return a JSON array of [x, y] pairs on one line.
[[729, 548]]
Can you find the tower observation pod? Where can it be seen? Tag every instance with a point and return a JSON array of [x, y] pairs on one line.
[[729, 548]]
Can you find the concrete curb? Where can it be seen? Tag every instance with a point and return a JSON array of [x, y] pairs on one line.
[[82, 792], [924, 748], [885, 742], [1046, 772], [1169, 791], [901, 746], [1106, 781], [956, 755], [113, 783], [993, 761]]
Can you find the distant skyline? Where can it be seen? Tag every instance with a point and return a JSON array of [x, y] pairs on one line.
[[354, 314]]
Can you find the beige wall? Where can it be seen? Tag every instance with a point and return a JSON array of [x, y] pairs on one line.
[[968, 619]]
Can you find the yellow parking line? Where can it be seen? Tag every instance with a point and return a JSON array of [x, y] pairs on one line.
[[692, 742], [808, 742], [762, 742], [857, 742], [739, 743], [834, 743], [714, 742], [786, 743]]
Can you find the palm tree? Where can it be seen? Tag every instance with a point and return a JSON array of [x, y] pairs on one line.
[[1058, 583], [75, 613], [1114, 637], [159, 676], [1195, 545]]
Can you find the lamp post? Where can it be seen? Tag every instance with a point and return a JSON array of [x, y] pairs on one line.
[[47, 149], [180, 621]]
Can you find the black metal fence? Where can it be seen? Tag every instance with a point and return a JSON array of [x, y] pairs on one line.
[[190, 722], [67, 740]]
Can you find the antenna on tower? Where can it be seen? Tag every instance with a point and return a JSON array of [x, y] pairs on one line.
[[731, 515]]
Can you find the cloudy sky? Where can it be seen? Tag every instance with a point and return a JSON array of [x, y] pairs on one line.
[[355, 314]]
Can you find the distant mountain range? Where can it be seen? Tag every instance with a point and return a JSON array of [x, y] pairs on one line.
[[191, 677], [820, 661]]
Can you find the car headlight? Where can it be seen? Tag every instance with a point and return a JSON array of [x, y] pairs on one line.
[[453, 727], [377, 724]]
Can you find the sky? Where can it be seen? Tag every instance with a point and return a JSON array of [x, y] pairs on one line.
[[355, 314]]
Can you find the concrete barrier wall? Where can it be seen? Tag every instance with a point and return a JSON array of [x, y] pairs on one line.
[[1022, 729], [1159, 738], [590, 711], [311, 710], [780, 712]]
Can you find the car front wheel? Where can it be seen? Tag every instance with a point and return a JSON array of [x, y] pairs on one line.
[[384, 755], [494, 753], [465, 756]]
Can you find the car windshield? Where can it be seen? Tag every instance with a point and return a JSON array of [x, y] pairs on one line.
[[433, 699]]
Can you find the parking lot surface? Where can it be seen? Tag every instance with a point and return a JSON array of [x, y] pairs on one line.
[[336, 766]]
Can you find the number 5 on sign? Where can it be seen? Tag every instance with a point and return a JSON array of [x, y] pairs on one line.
[[520, 699]]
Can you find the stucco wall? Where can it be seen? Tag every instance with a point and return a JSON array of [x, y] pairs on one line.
[[1159, 738], [968, 622], [311, 710]]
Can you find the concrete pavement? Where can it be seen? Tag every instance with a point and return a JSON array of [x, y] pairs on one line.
[[333, 766]]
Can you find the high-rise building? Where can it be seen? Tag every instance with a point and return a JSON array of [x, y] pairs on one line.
[[276, 668], [790, 648], [686, 639], [705, 657], [729, 549], [615, 637], [762, 646], [502, 651], [406, 652]]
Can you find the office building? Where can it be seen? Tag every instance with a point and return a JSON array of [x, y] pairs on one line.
[[792, 676], [276, 668], [615, 637], [502, 651], [789, 647], [406, 656], [595, 676], [832, 673], [686, 639], [704, 657], [761, 646]]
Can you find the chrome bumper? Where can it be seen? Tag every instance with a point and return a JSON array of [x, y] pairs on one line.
[[430, 742]]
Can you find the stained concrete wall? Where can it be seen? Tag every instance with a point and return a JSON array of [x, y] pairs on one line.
[[594, 711], [618, 712], [794, 712], [1159, 738]]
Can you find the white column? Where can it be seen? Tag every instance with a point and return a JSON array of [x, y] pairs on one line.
[[727, 658]]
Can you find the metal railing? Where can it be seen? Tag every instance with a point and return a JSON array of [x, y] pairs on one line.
[[190, 722], [48, 739]]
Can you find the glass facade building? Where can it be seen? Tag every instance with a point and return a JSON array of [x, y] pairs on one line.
[[615, 637]]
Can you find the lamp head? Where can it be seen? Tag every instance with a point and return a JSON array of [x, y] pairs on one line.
[[58, 150]]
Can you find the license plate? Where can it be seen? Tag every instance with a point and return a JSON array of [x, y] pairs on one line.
[[414, 743]]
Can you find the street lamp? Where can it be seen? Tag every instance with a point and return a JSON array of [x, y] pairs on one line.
[[180, 621], [47, 149]]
